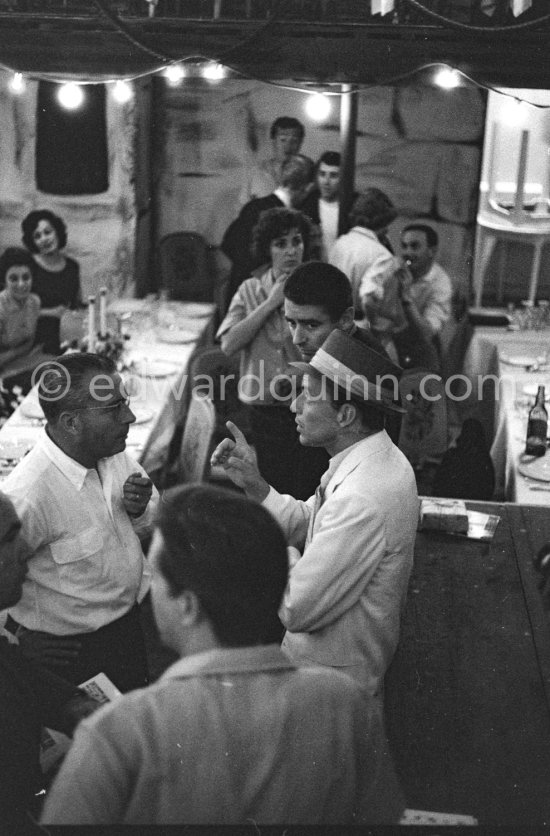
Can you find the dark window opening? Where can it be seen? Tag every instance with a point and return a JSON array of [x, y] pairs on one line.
[[71, 145]]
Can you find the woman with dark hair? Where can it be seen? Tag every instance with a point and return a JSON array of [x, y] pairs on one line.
[[256, 327], [19, 308], [56, 275]]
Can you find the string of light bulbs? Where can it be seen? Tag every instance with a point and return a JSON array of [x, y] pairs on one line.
[[71, 94]]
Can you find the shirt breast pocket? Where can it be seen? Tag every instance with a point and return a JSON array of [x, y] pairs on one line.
[[78, 560]]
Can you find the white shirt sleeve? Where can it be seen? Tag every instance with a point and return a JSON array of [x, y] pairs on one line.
[[376, 276]]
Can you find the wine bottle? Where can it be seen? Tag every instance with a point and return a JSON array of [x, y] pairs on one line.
[[537, 426]]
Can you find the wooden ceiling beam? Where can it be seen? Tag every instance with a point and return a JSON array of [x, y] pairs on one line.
[[309, 52]]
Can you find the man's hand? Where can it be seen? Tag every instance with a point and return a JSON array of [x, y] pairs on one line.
[[238, 459], [45, 649], [136, 493], [405, 281]]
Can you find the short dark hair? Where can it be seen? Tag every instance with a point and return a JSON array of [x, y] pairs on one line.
[[61, 382], [329, 158], [287, 123], [13, 256], [29, 224], [432, 238], [272, 224], [322, 284], [231, 553], [372, 209]]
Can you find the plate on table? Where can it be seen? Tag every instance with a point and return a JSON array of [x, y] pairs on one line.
[[525, 361], [535, 467], [142, 413], [532, 389], [122, 306], [176, 335], [14, 450], [31, 409], [154, 368], [197, 308]]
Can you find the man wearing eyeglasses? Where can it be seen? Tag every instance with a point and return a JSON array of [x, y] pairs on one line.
[[84, 504]]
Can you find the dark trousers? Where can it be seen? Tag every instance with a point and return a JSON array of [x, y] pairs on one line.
[[117, 650], [284, 463]]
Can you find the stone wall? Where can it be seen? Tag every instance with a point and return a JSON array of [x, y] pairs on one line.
[[418, 143]]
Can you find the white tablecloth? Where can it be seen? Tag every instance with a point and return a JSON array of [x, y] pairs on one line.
[[158, 379], [503, 409]]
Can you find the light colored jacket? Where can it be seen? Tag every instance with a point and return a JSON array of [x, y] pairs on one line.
[[346, 592]]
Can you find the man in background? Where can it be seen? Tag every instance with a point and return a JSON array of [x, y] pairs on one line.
[[287, 135], [322, 204], [409, 301], [359, 252], [233, 732]]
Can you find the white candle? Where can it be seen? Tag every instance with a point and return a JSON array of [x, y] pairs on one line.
[[103, 312], [91, 323]]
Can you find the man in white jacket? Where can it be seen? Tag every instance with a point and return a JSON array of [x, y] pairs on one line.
[[352, 543]]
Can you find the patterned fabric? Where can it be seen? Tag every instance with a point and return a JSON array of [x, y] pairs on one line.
[[269, 352], [17, 322]]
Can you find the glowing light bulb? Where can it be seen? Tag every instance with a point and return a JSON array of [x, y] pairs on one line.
[[17, 84], [447, 78], [213, 72], [318, 107], [174, 74], [70, 95], [122, 91]]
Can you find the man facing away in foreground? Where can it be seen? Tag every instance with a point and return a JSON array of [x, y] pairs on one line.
[[353, 541], [234, 732]]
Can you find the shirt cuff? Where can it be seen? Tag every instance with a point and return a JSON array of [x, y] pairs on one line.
[[271, 500]]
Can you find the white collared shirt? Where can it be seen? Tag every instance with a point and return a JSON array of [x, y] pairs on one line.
[[432, 295], [359, 253], [328, 214], [88, 567]]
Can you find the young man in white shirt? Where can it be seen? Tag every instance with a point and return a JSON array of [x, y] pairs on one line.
[[83, 503], [322, 205]]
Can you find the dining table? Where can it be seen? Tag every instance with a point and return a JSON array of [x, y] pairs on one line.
[[505, 368], [467, 695], [160, 340]]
